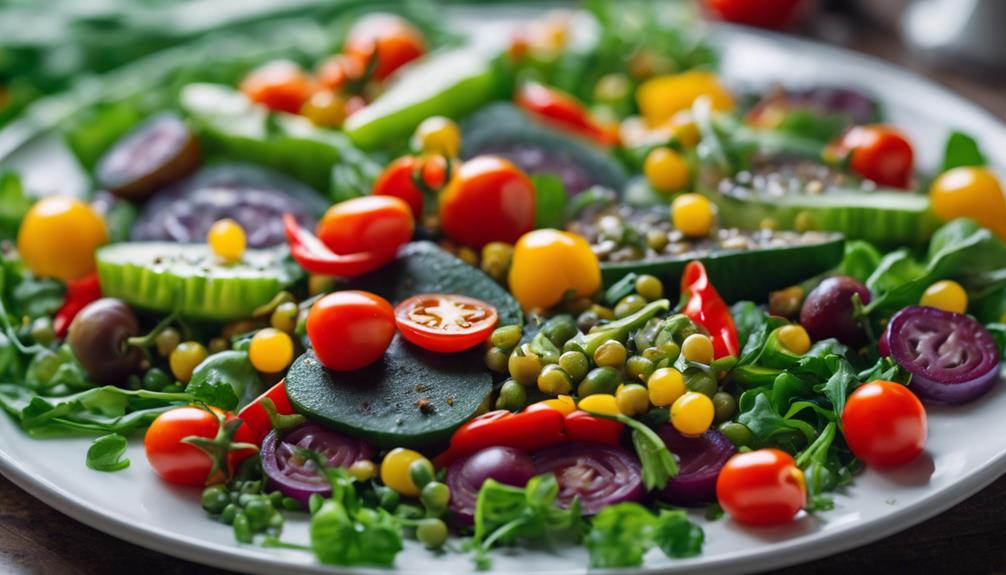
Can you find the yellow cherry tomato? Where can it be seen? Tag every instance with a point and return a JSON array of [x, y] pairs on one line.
[[227, 240], [603, 403], [698, 348], [693, 215], [632, 399], [661, 97], [325, 108], [437, 135], [794, 338], [665, 386], [947, 295], [395, 471], [184, 359], [666, 170], [970, 192], [271, 350], [548, 264], [692, 413], [564, 404], [58, 237], [684, 129]]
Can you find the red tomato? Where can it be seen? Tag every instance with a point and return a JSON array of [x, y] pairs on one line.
[[376, 224], [397, 179], [763, 13], [582, 426], [488, 200], [564, 110], [185, 463], [884, 424], [337, 71], [444, 322], [877, 152], [390, 38], [255, 416], [528, 430], [763, 487], [278, 85], [350, 329]]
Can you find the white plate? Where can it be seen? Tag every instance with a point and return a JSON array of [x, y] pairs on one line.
[[965, 450]]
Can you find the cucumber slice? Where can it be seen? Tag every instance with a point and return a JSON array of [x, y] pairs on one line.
[[411, 398], [165, 277]]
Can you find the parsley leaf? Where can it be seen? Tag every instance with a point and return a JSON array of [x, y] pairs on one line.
[[105, 453]]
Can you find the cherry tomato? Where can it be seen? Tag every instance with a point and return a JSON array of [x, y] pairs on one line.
[[397, 179], [763, 487], [255, 416], [444, 322], [337, 71], [488, 200], [376, 224], [350, 329], [184, 463], [774, 14], [877, 152], [389, 38], [970, 192], [884, 424], [58, 237], [278, 85]]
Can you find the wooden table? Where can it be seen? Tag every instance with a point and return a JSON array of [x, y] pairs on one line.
[[966, 539]]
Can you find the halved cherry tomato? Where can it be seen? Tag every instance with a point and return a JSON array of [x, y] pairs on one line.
[[763, 487], [774, 14], [389, 38], [876, 152], [375, 224], [528, 431], [884, 424], [445, 322], [278, 85], [350, 329], [488, 200], [564, 110], [185, 463], [398, 179], [257, 418]]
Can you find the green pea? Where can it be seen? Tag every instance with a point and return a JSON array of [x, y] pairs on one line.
[[737, 433], [524, 366], [167, 341], [229, 513], [656, 240], [156, 379], [559, 329], [587, 320], [284, 317], [291, 504], [554, 380], [670, 350], [276, 499], [701, 382], [506, 337], [276, 521], [496, 359], [242, 529], [258, 513], [638, 368], [215, 499], [629, 305], [649, 287], [653, 354], [610, 354], [41, 330], [575, 364], [434, 497], [724, 406], [512, 396], [431, 533], [421, 471], [252, 487], [599, 380]]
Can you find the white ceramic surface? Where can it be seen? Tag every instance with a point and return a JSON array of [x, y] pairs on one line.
[[966, 449]]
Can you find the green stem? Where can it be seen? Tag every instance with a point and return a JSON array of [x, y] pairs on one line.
[[145, 341]]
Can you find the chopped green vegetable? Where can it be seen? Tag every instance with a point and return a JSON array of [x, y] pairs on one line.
[[105, 453], [550, 201], [962, 150], [621, 534], [345, 532], [222, 378]]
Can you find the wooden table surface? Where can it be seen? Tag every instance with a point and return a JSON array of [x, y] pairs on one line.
[[966, 539]]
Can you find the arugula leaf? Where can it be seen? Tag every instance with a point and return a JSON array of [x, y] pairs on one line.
[[105, 453], [961, 150], [550, 200], [621, 534], [222, 378], [840, 385], [765, 423], [677, 536]]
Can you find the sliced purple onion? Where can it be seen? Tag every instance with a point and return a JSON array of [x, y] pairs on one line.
[[298, 477], [700, 460], [466, 476], [600, 475], [952, 357]]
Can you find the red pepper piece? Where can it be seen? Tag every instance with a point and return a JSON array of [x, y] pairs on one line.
[[581, 426], [565, 111], [79, 293], [315, 257], [527, 431], [706, 308], [255, 416]]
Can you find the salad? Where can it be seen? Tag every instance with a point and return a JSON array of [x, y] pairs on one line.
[[553, 288]]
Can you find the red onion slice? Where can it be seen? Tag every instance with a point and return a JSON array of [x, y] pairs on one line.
[[952, 357], [297, 477], [600, 475], [466, 476], [700, 460]]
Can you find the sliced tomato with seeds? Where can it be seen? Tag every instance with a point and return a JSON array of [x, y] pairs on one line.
[[445, 322]]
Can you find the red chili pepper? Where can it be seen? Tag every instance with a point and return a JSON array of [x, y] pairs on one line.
[[564, 110], [79, 293], [256, 417], [581, 426], [528, 431], [706, 308], [315, 257]]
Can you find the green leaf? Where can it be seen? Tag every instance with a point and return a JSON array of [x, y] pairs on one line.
[[222, 378], [550, 200], [105, 453], [840, 384], [961, 150], [620, 535], [764, 422], [14, 204], [860, 260], [676, 536]]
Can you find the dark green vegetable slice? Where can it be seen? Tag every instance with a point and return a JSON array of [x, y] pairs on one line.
[[410, 398]]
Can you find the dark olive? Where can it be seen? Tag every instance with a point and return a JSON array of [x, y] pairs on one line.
[[828, 311], [156, 153], [99, 337]]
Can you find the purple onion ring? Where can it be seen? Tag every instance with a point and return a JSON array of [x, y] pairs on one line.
[[466, 476], [599, 475], [298, 477], [700, 460]]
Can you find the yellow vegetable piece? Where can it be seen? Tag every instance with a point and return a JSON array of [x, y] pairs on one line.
[[227, 240], [698, 348], [794, 338], [661, 97], [947, 295], [184, 359], [564, 404], [603, 403], [970, 192], [548, 264], [437, 135], [325, 108], [684, 129], [692, 413], [693, 215], [665, 386], [666, 170], [58, 237], [632, 399], [271, 350], [395, 471]]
